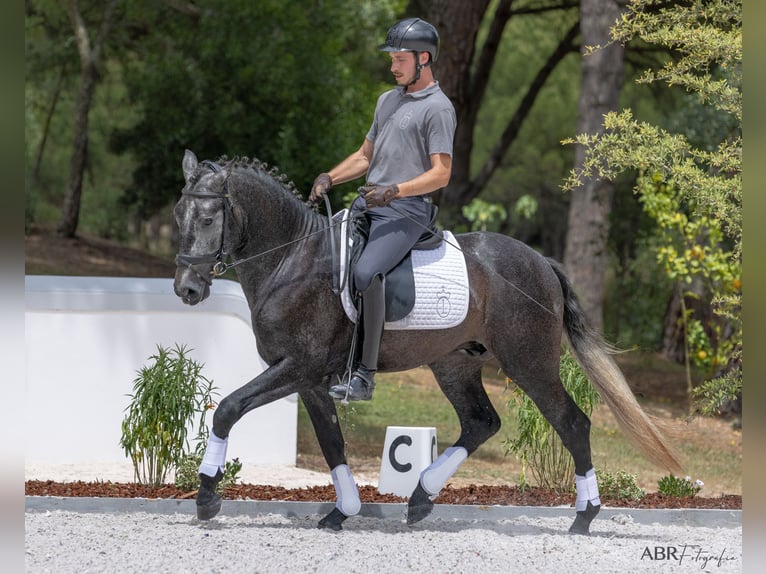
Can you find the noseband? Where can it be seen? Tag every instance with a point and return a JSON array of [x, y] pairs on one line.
[[218, 257]]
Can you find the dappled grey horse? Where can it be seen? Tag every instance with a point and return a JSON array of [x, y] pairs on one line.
[[520, 305]]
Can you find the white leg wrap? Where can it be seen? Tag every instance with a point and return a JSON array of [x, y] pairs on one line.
[[587, 490], [433, 478], [215, 455], [346, 491]]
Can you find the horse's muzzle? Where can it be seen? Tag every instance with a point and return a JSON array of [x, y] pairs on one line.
[[190, 287]]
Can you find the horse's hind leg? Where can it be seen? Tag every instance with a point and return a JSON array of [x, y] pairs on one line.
[[321, 410], [459, 377], [541, 382]]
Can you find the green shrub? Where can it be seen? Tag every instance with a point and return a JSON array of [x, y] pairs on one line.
[[187, 472], [167, 397], [538, 446], [620, 486], [679, 487]]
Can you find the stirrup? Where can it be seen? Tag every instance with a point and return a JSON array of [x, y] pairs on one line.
[[359, 388]]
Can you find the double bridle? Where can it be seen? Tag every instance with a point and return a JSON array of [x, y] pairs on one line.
[[218, 257]]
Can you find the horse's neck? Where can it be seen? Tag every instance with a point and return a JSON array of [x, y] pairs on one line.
[[276, 221]]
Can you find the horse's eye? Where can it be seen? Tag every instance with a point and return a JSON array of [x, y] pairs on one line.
[[207, 221]]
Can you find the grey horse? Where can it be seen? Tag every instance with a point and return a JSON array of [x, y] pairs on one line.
[[521, 309]]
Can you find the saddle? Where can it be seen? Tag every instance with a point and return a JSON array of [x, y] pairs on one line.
[[428, 289], [400, 281]]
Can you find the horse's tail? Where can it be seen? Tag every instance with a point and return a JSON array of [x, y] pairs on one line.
[[593, 354]]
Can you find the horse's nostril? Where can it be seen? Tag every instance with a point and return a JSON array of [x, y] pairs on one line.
[[191, 295]]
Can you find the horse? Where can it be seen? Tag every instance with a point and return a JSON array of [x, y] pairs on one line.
[[521, 308]]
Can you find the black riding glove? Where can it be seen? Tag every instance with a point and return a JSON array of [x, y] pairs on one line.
[[379, 195], [322, 183]]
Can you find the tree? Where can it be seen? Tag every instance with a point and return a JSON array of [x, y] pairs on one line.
[[90, 51], [586, 257], [291, 83], [693, 192], [464, 70]]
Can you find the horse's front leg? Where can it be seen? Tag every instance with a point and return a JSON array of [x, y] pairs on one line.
[[276, 382], [321, 409]]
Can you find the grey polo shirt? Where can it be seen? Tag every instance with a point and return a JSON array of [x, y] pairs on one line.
[[406, 130]]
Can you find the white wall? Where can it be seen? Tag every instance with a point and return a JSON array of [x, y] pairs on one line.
[[86, 339]]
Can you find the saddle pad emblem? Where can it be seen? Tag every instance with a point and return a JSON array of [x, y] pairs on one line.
[[441, 287]]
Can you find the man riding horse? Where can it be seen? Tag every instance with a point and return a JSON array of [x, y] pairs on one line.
[[407, 154]]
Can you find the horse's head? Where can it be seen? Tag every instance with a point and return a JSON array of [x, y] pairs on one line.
[[201, 215]]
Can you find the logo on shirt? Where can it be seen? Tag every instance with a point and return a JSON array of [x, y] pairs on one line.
[[405, 121]]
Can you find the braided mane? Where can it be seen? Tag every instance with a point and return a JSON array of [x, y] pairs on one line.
[[263, 168]]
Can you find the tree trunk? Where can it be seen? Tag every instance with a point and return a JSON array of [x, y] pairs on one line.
[[585, 256], [458, 24], [90, 57], [46, 132], [464, 77]]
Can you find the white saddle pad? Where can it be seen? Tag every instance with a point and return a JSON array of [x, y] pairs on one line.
[[441, 285]]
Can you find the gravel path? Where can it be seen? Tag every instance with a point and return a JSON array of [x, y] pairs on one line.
[[63, 541], [127, 541]]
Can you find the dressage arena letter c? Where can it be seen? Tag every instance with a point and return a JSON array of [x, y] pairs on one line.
[[395, 464]]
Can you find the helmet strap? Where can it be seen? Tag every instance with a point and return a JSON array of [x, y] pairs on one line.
[[418, 67]]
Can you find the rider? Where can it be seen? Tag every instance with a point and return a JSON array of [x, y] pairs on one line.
[[406, 154]]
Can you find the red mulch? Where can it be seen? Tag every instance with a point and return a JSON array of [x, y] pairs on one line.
[[470, 495]]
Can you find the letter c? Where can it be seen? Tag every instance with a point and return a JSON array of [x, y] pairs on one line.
[[397, 466]]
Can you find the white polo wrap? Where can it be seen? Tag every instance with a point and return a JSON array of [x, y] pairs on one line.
[[433, 478], [587, 490], [215, 455], [346, 491]]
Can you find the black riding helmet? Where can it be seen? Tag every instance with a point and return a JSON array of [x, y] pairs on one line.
[[413, 35]]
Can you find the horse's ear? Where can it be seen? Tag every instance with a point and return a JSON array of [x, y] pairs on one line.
[[189, 164], [219, 177]]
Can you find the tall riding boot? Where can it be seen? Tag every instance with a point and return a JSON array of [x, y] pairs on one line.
[[361, 384]]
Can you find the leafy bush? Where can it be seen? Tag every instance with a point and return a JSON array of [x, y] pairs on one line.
[[538, 446], [620, 486], [167, 397], [679, 487], [187, 472]]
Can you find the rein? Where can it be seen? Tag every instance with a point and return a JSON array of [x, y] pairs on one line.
[[219, 257], [481, 263]]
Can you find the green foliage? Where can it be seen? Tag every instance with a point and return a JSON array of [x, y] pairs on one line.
[[535, 164], [292, 83], [621, 485], [483, 215], [693, 247], [638, 279], [187, 472], [691, 188], [168, 395], [712, 395], [538, 446], [706, 35], [678, 487], [280, 81]]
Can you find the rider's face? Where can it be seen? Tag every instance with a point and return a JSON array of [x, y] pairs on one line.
[[403, 67]]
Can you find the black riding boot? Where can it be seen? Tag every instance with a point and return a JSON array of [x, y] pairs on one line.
[[362, 383]]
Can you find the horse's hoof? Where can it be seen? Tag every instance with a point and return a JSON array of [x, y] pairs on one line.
[[419, 506], [208, 500], [333, 521], [583, 519], [210, 509]]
